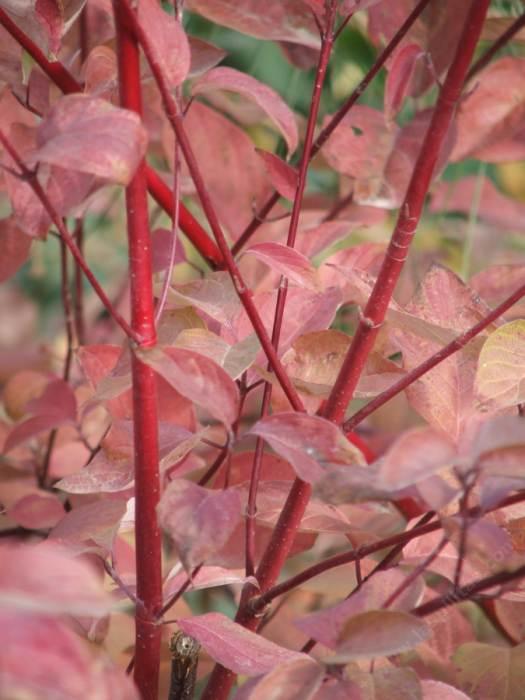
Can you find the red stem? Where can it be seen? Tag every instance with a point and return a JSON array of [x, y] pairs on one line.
[[30, 177], [336, 119], [322, 65], [434, 360], [157, 187], [145, 428], [245, 295], [408, 219]]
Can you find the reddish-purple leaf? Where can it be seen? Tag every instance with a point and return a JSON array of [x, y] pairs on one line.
[[415, 455], [45, 578], [10, 59], [436, 690], [170, 47], [282, 175], [198, 520], [90, 527], [90, 135], [162, 240], [400, 73], [198, 378], [288, 20], [268, 100], [15, 246], [492, 113], [203, 56], [215, 295], [37, 511], [100, 72], [57, 405], [235, 647], [480, 195], [42, 658], [307, 442], [287, 262], [379, 633], [326, 626], [206, 577]]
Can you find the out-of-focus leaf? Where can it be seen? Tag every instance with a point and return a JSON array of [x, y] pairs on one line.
[[379, 633], [268, 100], [501, 366], [170, 47], [15, 246], [282, 175], [198, 520], [37, 511], [400, 72], [298, 679], [307, 442], [206, 577], [203, 55], [197, 378], [436, 690], [288, 20], [492, 113], [90, 135], [489, 671], [90, 526], [45, 578], [235, 647], [286, 261]]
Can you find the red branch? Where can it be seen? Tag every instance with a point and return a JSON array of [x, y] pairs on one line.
[[245, 295], [147, 482], [408, 219], [500, 42], [424, 367], [335, 120], [157, 187]]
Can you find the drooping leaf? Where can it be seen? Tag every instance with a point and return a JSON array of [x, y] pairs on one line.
[[266, 98], [15, 246], [204, 56], [400, 73], [414, 456], [90, 135], [287, 262], [290, 20], [282, 175], [46, 579], [501, 365], [198, 378], [91, 526], [307, 442], [489, 671], [379, 633], [235, 647], [198, 520], [170, 48]]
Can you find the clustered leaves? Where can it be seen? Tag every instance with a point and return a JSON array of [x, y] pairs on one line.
[[420, 504]]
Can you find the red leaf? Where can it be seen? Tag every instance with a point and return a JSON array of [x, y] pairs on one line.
[[90, 527], [400, 73], [287, 262], [436, 690], [45, 578], [15, 246], [170, 48], [235, 647], [89, 135], [414, 456], [288, 20], [206, 577], [198, 520], [42, 658], [298, 679], [57, 405], [268, 100], [37, 511], [203, 56], [307, 442], [197, 378], [282, 175], [492, 113]]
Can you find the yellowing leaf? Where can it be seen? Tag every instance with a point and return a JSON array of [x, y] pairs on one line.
[[501, 367], [488, 671]]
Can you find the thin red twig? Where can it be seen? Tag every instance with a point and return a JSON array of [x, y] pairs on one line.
[[500, 42]]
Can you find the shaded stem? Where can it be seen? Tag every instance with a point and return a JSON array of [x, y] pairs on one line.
[[336, 119], [30, 177], [78, 305], [433, 360], [144, 388], [408, 219]]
